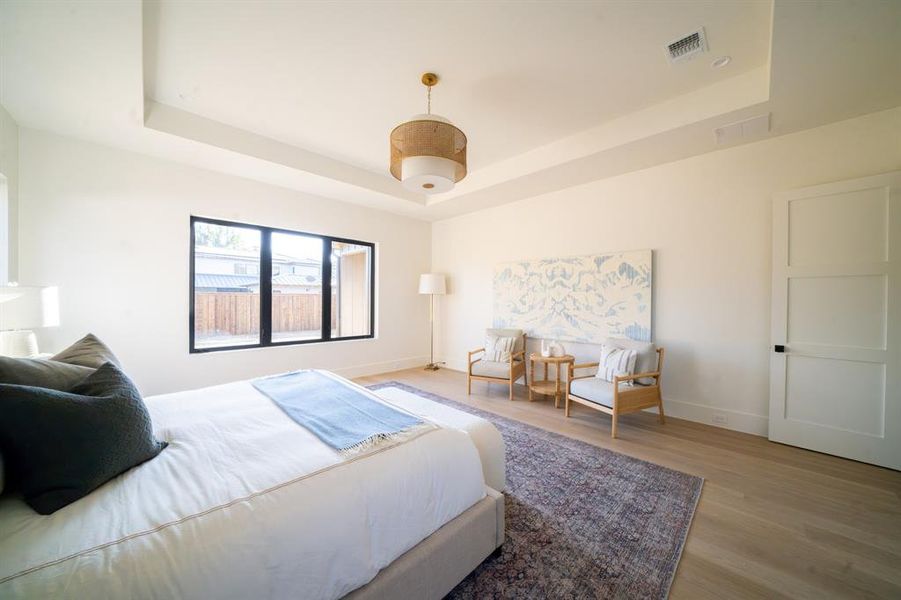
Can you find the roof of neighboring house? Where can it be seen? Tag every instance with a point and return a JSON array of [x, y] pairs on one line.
[[253, 255], [291, 279], [207, 280]]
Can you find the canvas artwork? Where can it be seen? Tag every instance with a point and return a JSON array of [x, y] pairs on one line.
[[577, 299]]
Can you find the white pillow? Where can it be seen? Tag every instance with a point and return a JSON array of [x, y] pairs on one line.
[[616, 361], [499, 349]]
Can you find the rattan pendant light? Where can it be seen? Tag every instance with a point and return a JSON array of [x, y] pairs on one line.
[[428, 154]]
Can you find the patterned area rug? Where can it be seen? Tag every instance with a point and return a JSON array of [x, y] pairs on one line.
[[582, 521]]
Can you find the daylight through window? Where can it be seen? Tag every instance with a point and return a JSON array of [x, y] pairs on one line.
[[260, 286]]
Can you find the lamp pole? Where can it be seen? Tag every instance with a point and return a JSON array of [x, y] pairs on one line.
[[431, 366], [432, 284]]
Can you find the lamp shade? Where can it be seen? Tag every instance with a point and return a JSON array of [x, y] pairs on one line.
[[428, 154], [432, 283], [28, 307]]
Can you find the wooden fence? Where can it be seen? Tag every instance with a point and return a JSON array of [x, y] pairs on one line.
[[218, 313]]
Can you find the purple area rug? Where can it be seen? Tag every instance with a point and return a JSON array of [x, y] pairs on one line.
[[582, 521]]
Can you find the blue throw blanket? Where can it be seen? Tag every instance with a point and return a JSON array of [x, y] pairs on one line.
[[339, 414]]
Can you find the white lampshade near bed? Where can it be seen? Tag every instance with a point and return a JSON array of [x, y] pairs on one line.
[[433, 284], [23, 308]]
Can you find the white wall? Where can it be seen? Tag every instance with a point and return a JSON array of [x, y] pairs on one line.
[[708, 219], [111, 229], [9, 187]]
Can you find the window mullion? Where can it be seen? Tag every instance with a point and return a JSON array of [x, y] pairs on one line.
[[326, 289], [265, 287]]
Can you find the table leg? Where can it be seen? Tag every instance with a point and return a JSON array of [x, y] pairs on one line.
[[557, 388], [532, 373]]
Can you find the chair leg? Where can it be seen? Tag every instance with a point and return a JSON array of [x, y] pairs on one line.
[[613, 425], [566, 406], [511, 389], [660, 415], [469, 385]]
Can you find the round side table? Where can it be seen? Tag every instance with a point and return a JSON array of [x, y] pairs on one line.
[[546, 387]]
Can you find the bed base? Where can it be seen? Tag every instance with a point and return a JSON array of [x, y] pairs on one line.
[[433, 567]]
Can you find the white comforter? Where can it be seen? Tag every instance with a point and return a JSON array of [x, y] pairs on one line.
[[244, 503]]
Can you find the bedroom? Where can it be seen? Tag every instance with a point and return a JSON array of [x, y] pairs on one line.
[[202, 186]]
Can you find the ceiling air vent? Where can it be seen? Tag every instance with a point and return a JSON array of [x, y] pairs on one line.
[[686, 48]]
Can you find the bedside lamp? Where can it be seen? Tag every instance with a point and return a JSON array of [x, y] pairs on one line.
[[22, 308], [432, 284]]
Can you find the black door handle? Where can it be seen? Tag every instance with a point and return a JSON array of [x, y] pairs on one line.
[[779, 348]]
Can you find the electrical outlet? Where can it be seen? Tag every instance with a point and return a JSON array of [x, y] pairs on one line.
[[719, 419]]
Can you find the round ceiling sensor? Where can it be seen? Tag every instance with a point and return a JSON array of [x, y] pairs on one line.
[[722, 61]]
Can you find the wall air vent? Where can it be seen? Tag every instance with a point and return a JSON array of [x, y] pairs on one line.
[[747, 130], [687, 47]]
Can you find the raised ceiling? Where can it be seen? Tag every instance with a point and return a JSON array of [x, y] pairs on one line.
[[335, 78], [550, 94]]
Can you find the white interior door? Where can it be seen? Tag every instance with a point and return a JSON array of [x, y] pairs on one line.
[[835, 368]]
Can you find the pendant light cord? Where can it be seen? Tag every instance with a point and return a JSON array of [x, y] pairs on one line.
[[430, 100]]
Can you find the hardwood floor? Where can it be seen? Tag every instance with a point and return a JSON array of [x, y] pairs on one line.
[[774, 521]]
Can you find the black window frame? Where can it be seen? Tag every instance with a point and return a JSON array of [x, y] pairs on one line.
[[266, 287]]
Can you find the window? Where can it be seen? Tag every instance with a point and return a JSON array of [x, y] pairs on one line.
[[321, 288], [351, 270], [247, 269]]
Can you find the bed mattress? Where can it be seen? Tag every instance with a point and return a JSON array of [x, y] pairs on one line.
[[243, 503]]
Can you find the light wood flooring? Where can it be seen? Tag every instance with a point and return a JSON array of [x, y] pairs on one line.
[[773, 521]]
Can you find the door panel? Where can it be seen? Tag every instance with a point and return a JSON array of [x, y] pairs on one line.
[[853, 224], [837, 310], [847, 395]]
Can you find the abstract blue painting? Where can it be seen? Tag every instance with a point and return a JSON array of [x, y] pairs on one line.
[[577, 299]]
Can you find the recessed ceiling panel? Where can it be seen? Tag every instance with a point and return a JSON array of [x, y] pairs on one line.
[[335, 77]]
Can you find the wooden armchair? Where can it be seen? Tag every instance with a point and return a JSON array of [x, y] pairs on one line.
[[612, 399], [498, 372]]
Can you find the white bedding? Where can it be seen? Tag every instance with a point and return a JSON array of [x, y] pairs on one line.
[[483, 434], [243, 503]]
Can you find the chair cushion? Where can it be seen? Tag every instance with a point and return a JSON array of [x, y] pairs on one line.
[[615, 362], [647, 356], [594, 389], [514, 333], [490, 368], [498, 349]]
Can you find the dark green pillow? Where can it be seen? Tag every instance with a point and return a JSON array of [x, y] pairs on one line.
[[89, 351], [43, 373], [59, 446]]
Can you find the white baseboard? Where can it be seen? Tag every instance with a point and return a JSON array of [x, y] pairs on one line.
[[714, 415], [382, 367], [700, 413], [456, 365]]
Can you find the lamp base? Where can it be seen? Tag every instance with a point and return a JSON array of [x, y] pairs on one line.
[[20, 343], [433, 366]]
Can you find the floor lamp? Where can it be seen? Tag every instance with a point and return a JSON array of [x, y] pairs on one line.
[[432, 284]]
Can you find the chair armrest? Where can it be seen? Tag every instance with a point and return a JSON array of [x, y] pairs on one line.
[[634, 376], [476, 351], [585, 366], [515, 355], [572, 370]]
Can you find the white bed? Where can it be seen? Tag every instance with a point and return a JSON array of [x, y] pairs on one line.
[[246, 503]]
